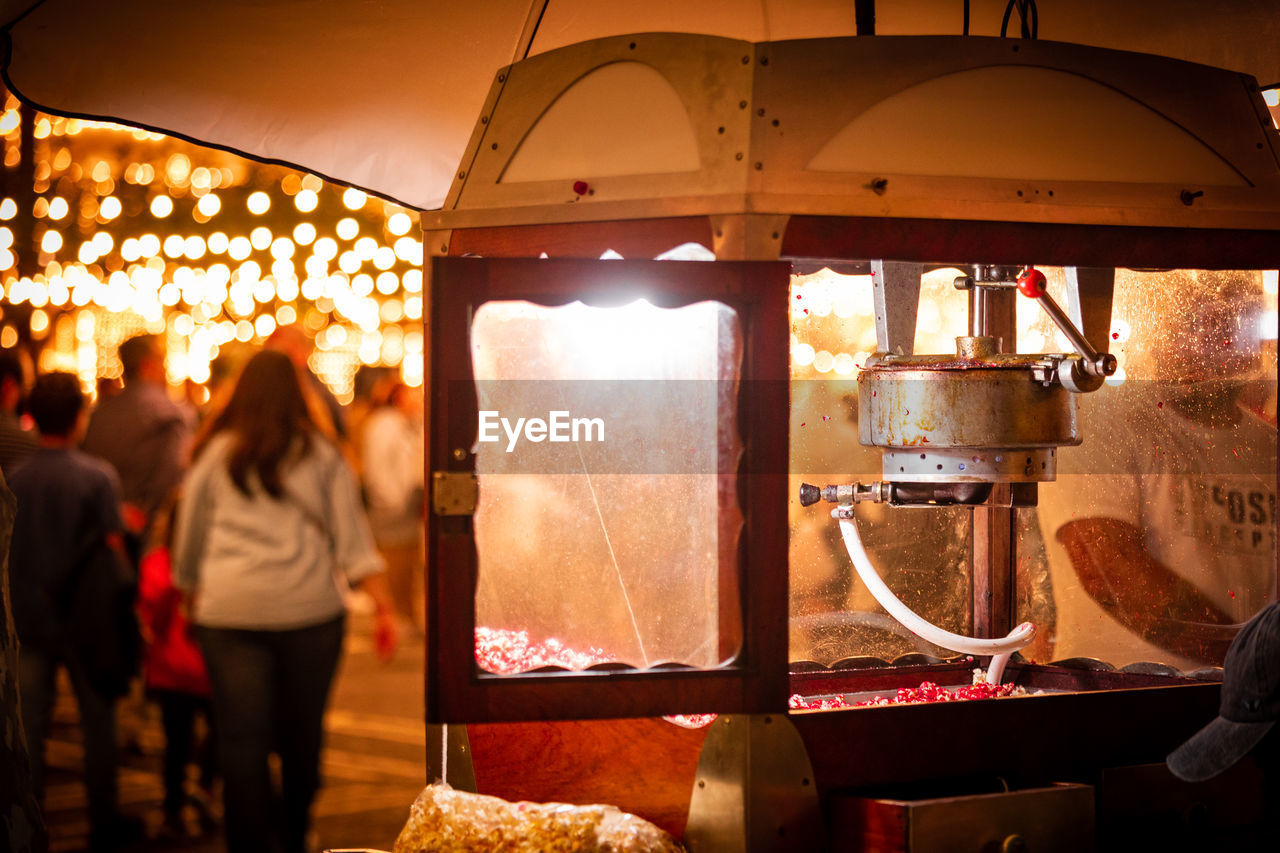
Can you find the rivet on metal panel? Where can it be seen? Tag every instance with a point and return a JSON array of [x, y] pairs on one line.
[[759, 165], [764, 60], [720, 129], [745, 60], [494, 146], [459, 453], [502, 78], [484, 119], [776, 235], [702, 783], [742, 105], [461, 175], [760, 112]]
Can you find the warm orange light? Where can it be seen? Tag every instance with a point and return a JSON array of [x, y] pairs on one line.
[[161, 206], [399, 223], [306, 200], [177, 171], [209, 204], [304, 233], [352, 295]]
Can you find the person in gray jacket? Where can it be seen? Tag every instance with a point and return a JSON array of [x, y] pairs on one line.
[[270, 515]]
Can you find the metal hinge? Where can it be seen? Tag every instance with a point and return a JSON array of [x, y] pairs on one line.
[[454, 492]]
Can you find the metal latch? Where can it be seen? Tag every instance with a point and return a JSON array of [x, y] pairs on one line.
[[454, 492]]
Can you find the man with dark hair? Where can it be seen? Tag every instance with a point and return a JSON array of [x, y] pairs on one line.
[[143, 434], [68, 507], [16, 443]]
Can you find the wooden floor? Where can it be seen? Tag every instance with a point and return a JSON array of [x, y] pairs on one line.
[[373, 764]]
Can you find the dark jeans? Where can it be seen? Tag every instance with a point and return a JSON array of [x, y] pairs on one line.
[[270, 689], [37, 682], [178, 712]]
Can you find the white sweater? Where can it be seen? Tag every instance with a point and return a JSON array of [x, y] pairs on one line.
[[264, 563]]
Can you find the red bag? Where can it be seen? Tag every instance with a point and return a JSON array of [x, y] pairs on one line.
[[173, 660]]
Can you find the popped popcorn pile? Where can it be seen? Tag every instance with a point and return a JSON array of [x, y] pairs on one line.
[[928, 691], [509, 652]]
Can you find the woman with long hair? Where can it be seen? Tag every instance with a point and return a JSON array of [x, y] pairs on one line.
[[270, 516]]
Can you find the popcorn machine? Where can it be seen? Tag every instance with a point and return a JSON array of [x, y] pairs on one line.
[[634, 593]]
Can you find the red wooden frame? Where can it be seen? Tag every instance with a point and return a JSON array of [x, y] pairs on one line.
[[755, 681]]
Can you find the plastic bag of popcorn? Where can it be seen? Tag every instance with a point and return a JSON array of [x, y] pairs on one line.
[[442, 820]]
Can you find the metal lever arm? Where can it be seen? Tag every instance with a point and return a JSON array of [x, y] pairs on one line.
[[1031, 283]]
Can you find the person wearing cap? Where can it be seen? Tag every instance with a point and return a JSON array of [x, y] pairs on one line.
[[1247, 715]]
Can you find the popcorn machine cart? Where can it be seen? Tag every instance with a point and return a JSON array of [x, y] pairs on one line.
[[679, 278]]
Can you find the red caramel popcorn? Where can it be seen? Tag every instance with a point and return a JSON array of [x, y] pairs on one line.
[[805, 703], [928, 691], [443, 820], [509, 652]]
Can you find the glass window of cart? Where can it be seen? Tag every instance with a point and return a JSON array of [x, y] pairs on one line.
[[1160, 529], [1156, 540], [921, 553], [602, 533]]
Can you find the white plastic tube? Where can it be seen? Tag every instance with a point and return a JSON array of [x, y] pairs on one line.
[[1000, 648], [995, 669]]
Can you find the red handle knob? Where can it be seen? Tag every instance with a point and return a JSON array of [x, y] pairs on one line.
[[1031, 283]]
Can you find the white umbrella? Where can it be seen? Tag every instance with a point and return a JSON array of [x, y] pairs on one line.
[[382, 94]]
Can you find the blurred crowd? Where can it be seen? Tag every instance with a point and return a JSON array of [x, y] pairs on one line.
[[193, 556]]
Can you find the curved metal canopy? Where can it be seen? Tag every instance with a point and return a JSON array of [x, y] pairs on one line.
[[905, 127]]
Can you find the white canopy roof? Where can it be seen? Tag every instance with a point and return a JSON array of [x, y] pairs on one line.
[[383, 94]]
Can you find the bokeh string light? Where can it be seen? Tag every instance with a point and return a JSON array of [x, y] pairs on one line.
[[134, 231]]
